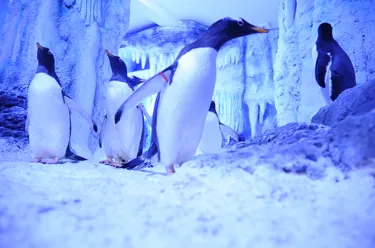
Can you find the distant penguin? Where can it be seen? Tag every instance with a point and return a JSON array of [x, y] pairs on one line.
[[185, 90], [122, 141], [48, 118], [212, 138], [342, 70]]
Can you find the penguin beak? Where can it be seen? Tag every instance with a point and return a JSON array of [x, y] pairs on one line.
[[259, 30], [39, 46], [108, 53]]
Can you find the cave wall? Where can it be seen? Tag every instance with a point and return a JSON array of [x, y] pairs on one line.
[[77, 32]]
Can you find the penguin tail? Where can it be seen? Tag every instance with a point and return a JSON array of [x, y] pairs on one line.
[[71, 155], [142, 161]]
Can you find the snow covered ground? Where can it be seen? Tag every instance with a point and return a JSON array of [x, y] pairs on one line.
[[232, 199]]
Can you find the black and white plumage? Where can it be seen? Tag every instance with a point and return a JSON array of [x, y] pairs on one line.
[[185, 90], [122, 141], [48, 118], [342, 70]]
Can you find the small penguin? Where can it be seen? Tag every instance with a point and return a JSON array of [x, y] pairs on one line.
[[185, 90], [342, 70], [48, 114], [122, 141], [212, 138]]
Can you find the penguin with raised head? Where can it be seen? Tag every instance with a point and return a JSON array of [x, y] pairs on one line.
[[342, 70], [212, 136], [122, 141], [185, 90], [48, 117]]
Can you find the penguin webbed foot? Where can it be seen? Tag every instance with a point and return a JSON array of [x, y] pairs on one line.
[[50, 160], [36, 160], [106, 161], [170, 169]]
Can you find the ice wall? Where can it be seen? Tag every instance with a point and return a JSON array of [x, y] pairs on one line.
[[244, 72], [77, 32], [297, 95]]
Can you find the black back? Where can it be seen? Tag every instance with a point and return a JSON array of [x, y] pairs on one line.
[[120, 72], [342, 70]]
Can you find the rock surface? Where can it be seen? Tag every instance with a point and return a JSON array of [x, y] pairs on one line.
[[355, 101], [231, 199], [302, 183]]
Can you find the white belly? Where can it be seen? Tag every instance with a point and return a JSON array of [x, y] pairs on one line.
[[184, 104], [121, 140], [49, 118], [211, 137]]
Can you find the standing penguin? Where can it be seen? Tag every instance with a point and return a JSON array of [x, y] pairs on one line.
[[122, 141], [212, 139], [342, 70], [186, 91], [48, 117], [210, 142]]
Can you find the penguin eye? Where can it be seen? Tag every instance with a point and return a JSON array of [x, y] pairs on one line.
[[240, 23], [120, 60], [49, 53]]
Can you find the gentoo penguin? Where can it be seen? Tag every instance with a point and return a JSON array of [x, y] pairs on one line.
[[342, 70], [185, 90], [212, 138], [122, 141], [48, 116]]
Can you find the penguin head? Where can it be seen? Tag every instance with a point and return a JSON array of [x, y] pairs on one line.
[[45, 58], [325, 31], [234, 27], [118, 66]]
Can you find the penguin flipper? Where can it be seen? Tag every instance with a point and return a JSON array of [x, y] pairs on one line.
[[321, 68], [229, 131], [148, 88], [72, 105], [145, 113], [102, 131]]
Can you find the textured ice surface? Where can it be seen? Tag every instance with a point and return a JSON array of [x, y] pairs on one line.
[[237, 199], [301, 183]]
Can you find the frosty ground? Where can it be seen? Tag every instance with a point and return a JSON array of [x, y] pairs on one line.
[[236, 198]]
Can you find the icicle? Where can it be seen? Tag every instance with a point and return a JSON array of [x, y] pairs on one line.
[[162, 60], [133, 55], [152, 64], [137, 55], [143, 60], [262, 107], [253, 116], [290, 6]]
